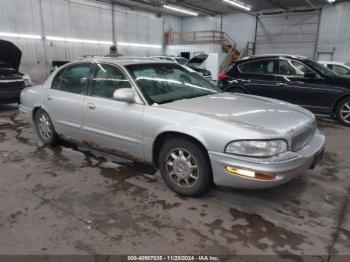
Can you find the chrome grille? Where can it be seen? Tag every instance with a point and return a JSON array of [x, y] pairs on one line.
[[304, 138]]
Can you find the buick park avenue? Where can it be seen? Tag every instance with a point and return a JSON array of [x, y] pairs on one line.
[[162, 114]]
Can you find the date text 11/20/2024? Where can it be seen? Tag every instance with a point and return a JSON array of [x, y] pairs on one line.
[[174, 258]]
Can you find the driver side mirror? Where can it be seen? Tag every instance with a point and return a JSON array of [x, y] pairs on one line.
[[124, 95], [310, 75]]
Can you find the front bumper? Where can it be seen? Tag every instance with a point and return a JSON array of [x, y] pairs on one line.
[[285, 166], [10, 90]]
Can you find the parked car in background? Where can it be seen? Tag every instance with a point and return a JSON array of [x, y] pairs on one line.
[[175, 59], [194, 63], [338, 67], [165, 115], [11, 80], [295, 79]]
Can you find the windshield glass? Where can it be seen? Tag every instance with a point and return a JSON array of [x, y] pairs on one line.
[[164, 83], [320, 68]]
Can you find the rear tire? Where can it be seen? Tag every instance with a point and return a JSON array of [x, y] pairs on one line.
[[185, 167], [343, 111], [45, 128]]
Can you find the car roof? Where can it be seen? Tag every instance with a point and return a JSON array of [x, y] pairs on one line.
[[121, 60], [271, 56], [331, 63]]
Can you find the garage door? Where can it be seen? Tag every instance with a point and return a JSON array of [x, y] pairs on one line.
[[294, 33]]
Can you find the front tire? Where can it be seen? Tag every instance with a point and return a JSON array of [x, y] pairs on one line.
[[185, 167], [343, 111], [45, 128]]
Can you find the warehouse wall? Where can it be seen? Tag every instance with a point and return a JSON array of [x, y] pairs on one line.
[[334, 36], [239, 26], [82, 19], [292, 33]]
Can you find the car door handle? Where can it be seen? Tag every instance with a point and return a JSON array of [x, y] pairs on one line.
[[282, 84], [91, 106], [48, 97]]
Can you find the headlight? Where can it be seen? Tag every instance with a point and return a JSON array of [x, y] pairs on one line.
[[257, 148], [27, 80]]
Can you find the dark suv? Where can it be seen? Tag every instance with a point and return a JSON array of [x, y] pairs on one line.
[[295, 79]]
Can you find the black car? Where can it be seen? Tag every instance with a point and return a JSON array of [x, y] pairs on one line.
[[11, 80], [295, 79]]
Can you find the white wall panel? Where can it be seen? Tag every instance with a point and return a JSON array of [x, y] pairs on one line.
[[334, 31], [294, 33], [239, 26], [84, 19]]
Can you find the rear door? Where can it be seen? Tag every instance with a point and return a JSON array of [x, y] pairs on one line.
[[110, 125], [64, 100], [259, 79]]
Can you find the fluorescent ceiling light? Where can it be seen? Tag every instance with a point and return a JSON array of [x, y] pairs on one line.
[[181, 10], [138, 45], [4, 34], [331, 1], [239, 4], [76, 40]]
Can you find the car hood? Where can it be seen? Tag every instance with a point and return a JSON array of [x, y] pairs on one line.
[[249, 111], [197, 60], [10, 55]]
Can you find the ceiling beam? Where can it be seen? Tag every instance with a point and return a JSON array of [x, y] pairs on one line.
[[277, 4], [311, 4]]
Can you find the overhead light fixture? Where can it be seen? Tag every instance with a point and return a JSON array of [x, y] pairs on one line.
[[76, 40], [139, 45], [331, 1], [239, 4], [181, 10], [15, 35]]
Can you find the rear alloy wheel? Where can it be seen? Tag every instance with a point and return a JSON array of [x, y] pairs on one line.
[[343, 111], [45, 128], [184, 167]]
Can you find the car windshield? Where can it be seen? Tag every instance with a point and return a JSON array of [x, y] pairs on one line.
[[163, 83], [319, 68]]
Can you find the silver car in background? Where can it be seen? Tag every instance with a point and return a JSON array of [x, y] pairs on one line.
[[163, 114]]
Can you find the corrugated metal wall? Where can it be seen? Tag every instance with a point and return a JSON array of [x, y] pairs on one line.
[[239, 26], [292, 33], [83, 19], [334, 36]]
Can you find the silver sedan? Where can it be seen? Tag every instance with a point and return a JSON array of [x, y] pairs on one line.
[[165, 115]]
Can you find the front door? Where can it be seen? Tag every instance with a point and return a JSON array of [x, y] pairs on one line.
[[310, 90], [112, 126]]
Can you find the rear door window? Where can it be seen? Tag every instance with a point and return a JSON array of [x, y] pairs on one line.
[[75, 79], [265, 67]]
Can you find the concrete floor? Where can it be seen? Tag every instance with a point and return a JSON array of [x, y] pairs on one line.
[[67, 200]]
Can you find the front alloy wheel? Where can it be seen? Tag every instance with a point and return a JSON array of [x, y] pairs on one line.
[[343, 111], [182, 168], [185, 167]]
